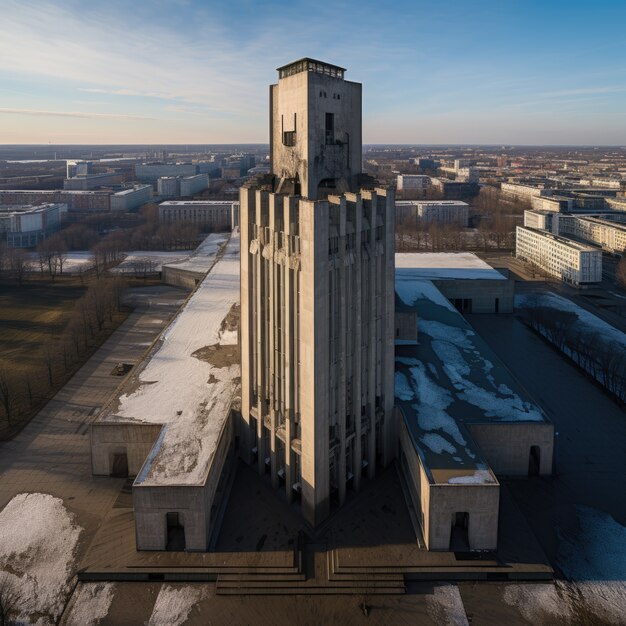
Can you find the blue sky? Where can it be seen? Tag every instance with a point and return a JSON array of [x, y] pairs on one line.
[[177, 71]]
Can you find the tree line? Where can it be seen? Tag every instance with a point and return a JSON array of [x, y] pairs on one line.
[[93, 313], [604, 360]]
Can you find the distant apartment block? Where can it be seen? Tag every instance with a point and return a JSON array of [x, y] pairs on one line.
[[557, 204], [191, 185], [215, 214], [24, 226], [130, 199], [92, 181], [609, 235], [412, 182], [75, 200], [523, 192], [150, 172], [168, 186], [539, 220], [440, 212], [454, 189], [572, 262]]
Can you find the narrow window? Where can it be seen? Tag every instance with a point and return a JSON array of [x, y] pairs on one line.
[[330, 128]]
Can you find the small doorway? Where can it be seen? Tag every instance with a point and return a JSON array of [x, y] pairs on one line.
[[497, 305], [534, 461], [175, 533], [119, 467], [459, 534], [463, 305]]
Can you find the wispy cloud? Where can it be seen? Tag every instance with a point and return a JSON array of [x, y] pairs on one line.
[[39, 112]]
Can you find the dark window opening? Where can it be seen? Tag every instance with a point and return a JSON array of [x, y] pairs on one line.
[[175, 533], [534, 461], [119, 468], [497, 305], [330, 128], [463, 305], [289, 138], [459, 533]]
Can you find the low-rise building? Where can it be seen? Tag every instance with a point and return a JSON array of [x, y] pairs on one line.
[[130, 199], [454, 189], [572, 262], [24, 226], [212, 214], [524, 191]]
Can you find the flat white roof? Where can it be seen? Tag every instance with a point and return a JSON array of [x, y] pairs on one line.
[[444, 266], [174, 203]]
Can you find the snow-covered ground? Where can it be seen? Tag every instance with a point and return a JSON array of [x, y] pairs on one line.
[[75, 262], [445, 606], [90, 604], [185, 392], [204, 256], [174, 604], [38, 541], [149, 261], [587, 321], [594, 560]]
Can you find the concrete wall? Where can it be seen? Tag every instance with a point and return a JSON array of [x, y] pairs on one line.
[[437, 505], [135, 440], [196, 505], [506, 446], [483, 293], [481, 502], [181, 278]]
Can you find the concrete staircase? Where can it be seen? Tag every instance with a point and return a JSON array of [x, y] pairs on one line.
[[317, 574]]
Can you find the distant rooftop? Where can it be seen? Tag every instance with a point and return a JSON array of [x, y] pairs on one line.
[[443, 266], [310, 65]]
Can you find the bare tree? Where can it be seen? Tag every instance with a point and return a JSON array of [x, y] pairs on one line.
[[8, 395], [620, 273], [8, 598]]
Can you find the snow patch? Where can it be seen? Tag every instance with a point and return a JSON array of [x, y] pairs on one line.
[[410, 290], [540, 603], [38, 541], [403, 390], [90, 604], [174, 604], [480, 476], [445, 606], [437, 443]]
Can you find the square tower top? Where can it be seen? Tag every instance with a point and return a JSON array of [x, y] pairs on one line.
[[311, 65], [315, 130]]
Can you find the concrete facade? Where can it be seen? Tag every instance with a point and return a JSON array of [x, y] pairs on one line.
[[317, 326], [315, 130], [130, 199], [317, 317], [213, 214]]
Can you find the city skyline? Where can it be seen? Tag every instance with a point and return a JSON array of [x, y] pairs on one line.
[[180, 72]]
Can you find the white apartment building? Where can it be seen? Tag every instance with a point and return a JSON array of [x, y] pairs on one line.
[[523, 192], [572, 262], [214, 214], [131, 198], [609, 235], [191, 185], [168, 186], [24, 226], [412, 182], [440, 212], [539, 220], [555, 204]]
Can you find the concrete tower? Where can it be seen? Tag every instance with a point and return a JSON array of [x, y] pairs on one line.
[[317, 298], [315, 130]]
